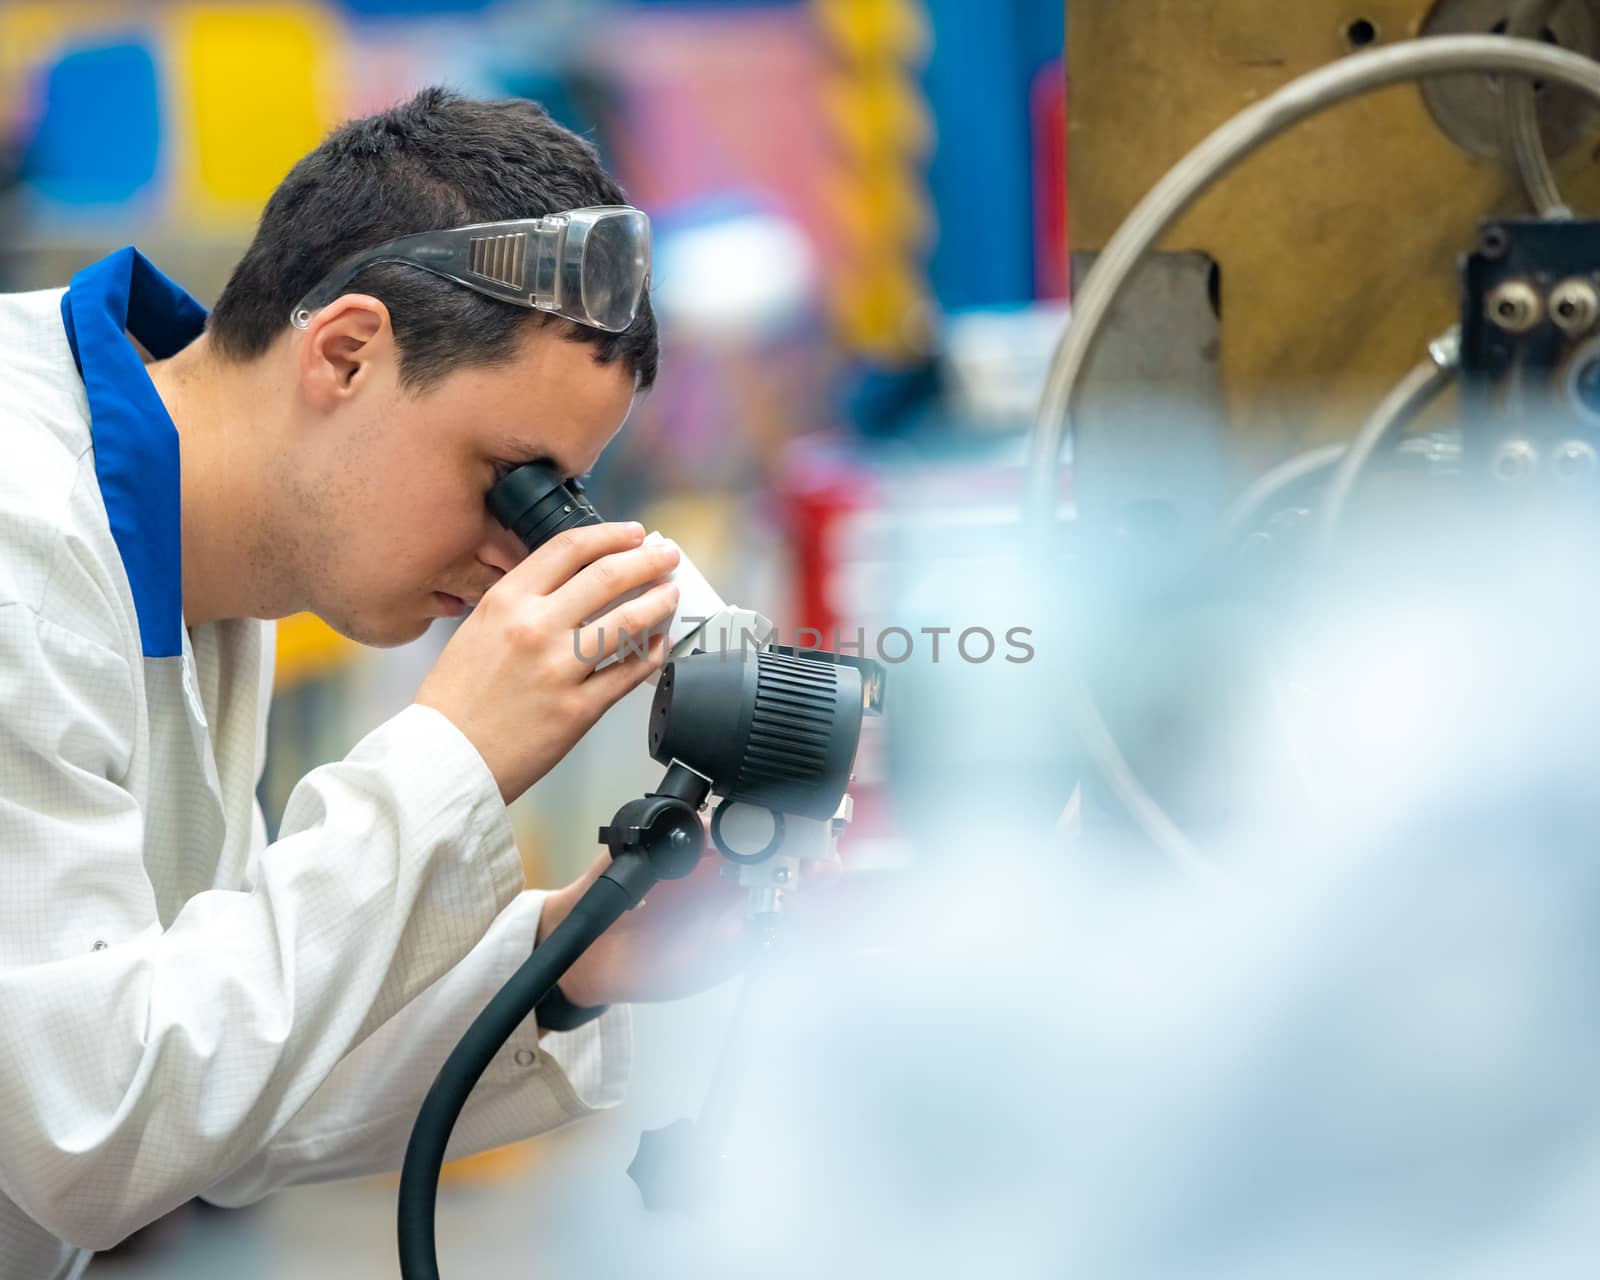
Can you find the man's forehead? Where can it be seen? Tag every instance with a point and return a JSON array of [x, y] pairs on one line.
[[566, 459], [578, 416], [522, 449]]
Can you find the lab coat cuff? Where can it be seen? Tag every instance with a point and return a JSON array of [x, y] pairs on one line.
[[449, 764], [591, 1064], [579, 1071]]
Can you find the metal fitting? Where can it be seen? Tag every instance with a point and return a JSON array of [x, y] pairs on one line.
[[1575, 462], [1574, 307], [1515, 462], [1445, 350], [1583, 380], [1514, 306], [1493, 242]]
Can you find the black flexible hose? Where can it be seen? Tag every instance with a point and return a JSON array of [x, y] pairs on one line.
[[599, 908]]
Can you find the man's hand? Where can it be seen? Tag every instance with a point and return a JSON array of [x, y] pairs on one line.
[[683, 938], [511, 679]]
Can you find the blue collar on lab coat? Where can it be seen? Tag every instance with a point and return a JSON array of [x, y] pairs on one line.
[[135, 442]]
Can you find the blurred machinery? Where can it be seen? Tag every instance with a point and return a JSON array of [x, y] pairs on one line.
[[1328, 259], [1244, 300]]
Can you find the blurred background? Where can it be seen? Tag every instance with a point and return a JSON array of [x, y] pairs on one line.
[[858, 241], [1245, 926], [859, 246]]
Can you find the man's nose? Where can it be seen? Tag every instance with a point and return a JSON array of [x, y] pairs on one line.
[[501, 549]]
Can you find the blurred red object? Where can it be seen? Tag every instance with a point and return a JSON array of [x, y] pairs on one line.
[[821, 493], [1048, 110]]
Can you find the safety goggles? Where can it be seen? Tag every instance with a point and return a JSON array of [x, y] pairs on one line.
[[587, 265]]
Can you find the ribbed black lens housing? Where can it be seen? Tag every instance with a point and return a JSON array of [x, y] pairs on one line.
[[766, 728]]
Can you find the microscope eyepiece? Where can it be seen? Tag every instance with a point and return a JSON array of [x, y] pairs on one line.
[[536, 504]]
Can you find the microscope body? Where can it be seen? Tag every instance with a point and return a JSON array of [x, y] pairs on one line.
[[764, 847], [771, 730]]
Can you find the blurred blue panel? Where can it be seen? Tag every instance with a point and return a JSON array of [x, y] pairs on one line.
[[981, 175], [572, 99], [416, 8], [99, 139]]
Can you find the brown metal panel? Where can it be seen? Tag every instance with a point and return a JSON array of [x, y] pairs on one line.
[[1337, 243]]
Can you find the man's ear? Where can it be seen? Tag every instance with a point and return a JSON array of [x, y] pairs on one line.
[[344, 344]]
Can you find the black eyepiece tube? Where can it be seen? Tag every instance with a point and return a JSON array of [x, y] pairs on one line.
[[536, 504]]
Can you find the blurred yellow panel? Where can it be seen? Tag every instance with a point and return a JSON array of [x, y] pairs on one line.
[[877, 112], [498, 1165], [307, 648], [879, 121], [254, 88], [878, 310], [885, 210], [867, 29]]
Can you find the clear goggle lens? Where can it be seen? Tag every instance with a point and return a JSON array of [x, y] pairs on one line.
[[590, 266]]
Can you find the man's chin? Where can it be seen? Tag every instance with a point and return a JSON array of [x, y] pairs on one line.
[[386, 634]]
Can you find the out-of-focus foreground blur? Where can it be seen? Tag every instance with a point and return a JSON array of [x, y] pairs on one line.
[[1216, 899]]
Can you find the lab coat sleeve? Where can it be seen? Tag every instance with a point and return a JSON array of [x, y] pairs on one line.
[[360, 1120], [141, 1063]]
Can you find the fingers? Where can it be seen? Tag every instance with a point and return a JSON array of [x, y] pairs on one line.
[[601, 583], [564, 555], [623, 630], [615, 682]]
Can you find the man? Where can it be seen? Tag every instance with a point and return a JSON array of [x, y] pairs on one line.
[[184, 1009]]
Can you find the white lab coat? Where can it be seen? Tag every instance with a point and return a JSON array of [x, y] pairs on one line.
[[184, 1010]]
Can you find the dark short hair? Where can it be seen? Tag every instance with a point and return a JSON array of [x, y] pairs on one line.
[[439, 160]]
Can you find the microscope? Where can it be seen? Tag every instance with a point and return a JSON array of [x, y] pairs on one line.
[[770, 730]]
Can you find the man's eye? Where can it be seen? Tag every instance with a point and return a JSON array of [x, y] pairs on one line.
[[502, 469]]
